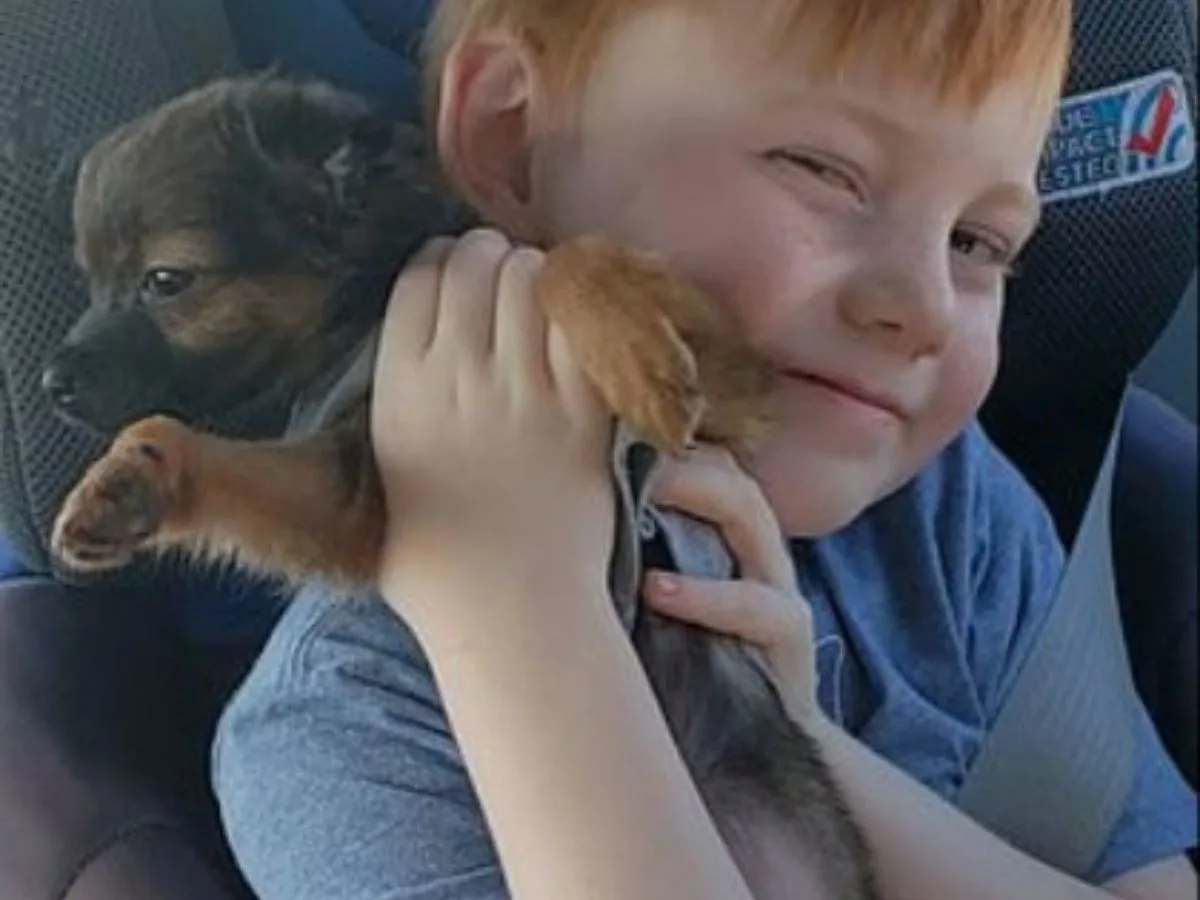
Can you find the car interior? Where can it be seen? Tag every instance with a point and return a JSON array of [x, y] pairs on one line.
[[1099, 347]]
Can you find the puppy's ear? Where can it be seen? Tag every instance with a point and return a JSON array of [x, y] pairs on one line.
[[373, 146], [317, 146]]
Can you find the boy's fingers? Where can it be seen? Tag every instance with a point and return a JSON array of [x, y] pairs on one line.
[[749, 610], [466, 307], [709, 486], [570, 381], [520, 333], [412, 307]]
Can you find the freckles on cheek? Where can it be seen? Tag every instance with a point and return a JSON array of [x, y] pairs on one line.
[[771, 272], [743, 250], [724, 251], [730, 269], [711, 217], [745, 291]]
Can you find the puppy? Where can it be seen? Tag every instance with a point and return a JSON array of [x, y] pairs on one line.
[[239, 243]]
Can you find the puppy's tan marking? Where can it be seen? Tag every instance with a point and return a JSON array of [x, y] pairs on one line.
[[222, 303], [220, 307]]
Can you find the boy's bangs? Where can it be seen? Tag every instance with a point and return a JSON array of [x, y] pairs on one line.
[[961, 48]]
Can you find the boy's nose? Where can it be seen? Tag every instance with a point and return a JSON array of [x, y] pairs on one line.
[[909, 305]]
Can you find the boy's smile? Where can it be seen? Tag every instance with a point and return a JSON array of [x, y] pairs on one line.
[[859, 229]]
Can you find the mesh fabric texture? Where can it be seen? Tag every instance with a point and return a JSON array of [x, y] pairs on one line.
[[1101, 278]]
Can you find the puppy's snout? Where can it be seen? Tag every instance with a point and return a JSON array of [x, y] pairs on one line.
[[61, 379]]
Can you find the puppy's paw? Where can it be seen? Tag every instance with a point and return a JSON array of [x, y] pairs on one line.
[[653, 385], [648, 377], [612, 305], [125, 500]]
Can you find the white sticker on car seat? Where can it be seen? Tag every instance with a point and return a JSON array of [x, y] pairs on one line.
[[1118, 136]]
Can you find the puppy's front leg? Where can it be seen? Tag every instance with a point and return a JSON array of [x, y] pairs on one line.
[[292, 509], [660, 351]]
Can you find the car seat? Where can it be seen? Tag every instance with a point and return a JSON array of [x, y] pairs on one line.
[[1099, 281]]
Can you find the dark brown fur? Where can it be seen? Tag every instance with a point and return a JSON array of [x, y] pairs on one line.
[[281, 212]]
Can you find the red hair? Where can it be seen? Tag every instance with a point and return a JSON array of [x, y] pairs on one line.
[[961, 48]]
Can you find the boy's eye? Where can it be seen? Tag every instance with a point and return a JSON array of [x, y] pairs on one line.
[[829, 172], [983, 247]]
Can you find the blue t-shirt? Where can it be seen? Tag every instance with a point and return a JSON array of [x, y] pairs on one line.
[[338, 776]]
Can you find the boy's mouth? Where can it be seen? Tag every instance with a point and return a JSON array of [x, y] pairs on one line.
[[850, 389]]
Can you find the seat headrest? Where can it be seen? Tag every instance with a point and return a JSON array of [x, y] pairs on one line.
[[1117, 245]]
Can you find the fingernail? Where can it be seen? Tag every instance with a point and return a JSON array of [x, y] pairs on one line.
[[664, 583]]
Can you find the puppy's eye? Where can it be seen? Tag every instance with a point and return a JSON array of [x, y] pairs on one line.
[[164, 283]]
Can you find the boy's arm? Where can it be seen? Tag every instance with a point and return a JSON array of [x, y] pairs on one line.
[[927, 850], [339, 765], [584, 791]]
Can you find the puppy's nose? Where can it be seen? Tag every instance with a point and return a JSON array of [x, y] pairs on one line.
[[60, 384]]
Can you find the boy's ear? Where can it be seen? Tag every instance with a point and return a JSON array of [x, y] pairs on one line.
[[485, 119]]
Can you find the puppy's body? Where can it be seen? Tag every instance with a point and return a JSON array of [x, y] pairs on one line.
[[239, 243]]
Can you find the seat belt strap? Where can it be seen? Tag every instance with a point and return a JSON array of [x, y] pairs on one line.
[[1056, 770]]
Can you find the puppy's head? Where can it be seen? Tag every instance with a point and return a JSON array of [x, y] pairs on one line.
[[237, 241]]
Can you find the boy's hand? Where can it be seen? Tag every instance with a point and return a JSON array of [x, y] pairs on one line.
[[491, 446], [764, 607]]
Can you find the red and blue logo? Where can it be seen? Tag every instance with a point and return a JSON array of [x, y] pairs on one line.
[[1118, 136]]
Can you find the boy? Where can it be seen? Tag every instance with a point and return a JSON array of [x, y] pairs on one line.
[[853, 178]]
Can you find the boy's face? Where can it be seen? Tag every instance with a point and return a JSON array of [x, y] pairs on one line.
[[858, 230]]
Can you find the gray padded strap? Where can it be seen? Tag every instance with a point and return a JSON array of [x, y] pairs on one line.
[[633, 466], [1062, 750], [336, 391], [696, 547]]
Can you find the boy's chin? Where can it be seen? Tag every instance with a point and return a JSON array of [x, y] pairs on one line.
[[815, 497]]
